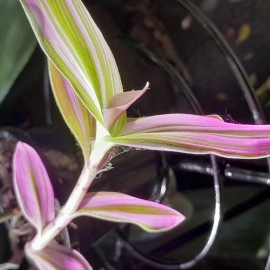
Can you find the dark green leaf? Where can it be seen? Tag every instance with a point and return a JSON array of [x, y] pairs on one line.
[[17, 43]]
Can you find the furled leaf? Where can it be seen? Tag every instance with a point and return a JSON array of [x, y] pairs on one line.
[[17, 44], [32, 186], [57, 257], [196, 135], [116, 109], [75, 45], [118, 207], [79, 120]]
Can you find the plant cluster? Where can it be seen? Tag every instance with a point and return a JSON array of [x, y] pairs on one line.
[[89, 93]]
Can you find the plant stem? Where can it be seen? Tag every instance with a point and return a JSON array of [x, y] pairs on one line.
[[86, 178], [97, 161], [63, 218]]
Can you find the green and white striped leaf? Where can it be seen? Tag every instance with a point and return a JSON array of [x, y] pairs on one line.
[[72, 41], [79, 120]]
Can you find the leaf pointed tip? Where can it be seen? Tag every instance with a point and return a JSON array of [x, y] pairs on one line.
[[118, 207], [32, 186]]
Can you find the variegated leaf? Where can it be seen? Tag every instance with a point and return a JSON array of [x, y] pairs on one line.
[[79, 120], [72, 41], [118, 207], [115, 113], [194, 134], [32, 187], [57, 257]]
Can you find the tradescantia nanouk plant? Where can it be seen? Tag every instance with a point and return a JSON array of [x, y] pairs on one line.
[[89, 93]]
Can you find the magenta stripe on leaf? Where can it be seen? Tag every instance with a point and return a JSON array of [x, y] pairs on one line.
[[32, 186], [55, 256], [190, 122], [185, 133], [118, 207]]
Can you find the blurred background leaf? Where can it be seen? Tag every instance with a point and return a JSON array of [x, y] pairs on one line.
[[17, 44]]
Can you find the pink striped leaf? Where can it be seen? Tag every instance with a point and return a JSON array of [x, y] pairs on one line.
[[32, 187], [196, 135], [58, 257], [73, 42], [81, 123], [118, 207], [116, 109]]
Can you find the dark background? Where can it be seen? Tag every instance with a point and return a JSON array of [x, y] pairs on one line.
[[158, 41]]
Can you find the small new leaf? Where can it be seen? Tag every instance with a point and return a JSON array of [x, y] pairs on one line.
[[32, 187]]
